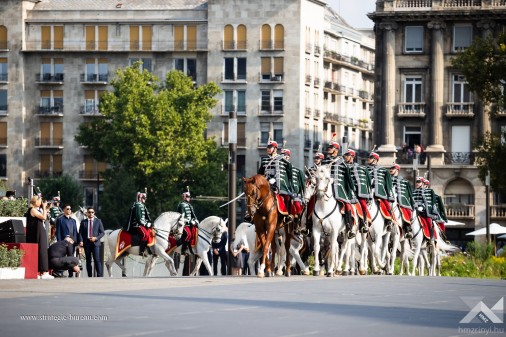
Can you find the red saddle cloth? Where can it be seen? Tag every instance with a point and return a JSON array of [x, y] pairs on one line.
[[406, 214], [191, 235], [124, 240], [426, 226], [385, 208], [296, 208], [172, 244], [282, 205]]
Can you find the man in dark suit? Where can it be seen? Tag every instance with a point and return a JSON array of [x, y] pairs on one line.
[[61, 257], [220, 252], [66, 227], [90, 233]]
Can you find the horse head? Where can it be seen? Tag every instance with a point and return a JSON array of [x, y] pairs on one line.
[[310, 188], [176, 229], [256, 190], [323, 182], [219, 230]]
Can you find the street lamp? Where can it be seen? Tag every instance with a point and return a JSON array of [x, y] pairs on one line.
[[232, 173], [345, 144], [415, 167], [487, 205]]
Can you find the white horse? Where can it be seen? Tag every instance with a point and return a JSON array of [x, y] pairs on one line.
[[210, 230], [327, 221], [168, 223], [378, 238]]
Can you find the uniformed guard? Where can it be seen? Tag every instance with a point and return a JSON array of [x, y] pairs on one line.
[[342, 186], [405, 199], [278, 172], [190, 219], [425, 201], [55, 211], [310, 172], [139, 220], [362, 188], [440, 207], [332, 152], [298, 187], [381, 183], [317, 161]]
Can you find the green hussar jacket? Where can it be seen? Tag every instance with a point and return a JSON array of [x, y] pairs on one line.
[[298, 184], [404, 192], [361, 180], [426, 198], [186, 209], [381, 182], [139, 215], [280, 169], [440, 208], [343, 182], [54, 212], [328, 159]]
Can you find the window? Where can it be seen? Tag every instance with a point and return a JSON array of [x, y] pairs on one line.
[[229, 100], [91, 101], [3, 165], [96, 70], [462, 97], [145, 63], [51, 101], [51, 134], [272, 68], [4, 75], [234, 100], [185, 37], [232, 43], [3, 37], [278, 132], [228, 37], [413, 93], [3, 133], [92, 32], [274, 106], [265, 42], [413, 39], [235, 68], [462, 37], [50, 165], [141, 37], [265, 104], [51, 70], [241, 37], [241, 133], [3, 101], [412, 137], [51, 37], [92, 168], [267, 129], [187, 66], [278, 100], [241, 102], [279, 37]]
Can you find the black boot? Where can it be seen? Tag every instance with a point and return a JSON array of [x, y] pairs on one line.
[[309, 227], [348, 221], [363, 226], [408, 231], [388, 225], [288, 218]]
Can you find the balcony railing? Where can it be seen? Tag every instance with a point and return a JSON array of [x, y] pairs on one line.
[[47, 174], [4, 77], [460, 110], [411, 109], [459, 158], [90, 175], [51, 110], [334, 56], [234, 45], [446, 4], [498, 211], [49, 142], [460, 211], [308, 79], [49, 78], [94, 78], [90, 110]]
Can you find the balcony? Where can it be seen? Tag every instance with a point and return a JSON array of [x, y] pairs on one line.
[[55, 111], [411, 109], [49, 142], [317, 50], [498, 212], [464, 110], [4, 77], [94, 78], [47, 174], [460, 211], [47, 78], [234, 45], [90, 110], [308, 79], [91, 175], [316, 82], [270, 110], [459, 158], [3, 110], [307, 144]]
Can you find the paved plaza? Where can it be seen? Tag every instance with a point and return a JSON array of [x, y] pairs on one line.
[[248, 306]]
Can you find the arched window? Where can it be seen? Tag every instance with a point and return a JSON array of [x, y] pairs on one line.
[[241, 37], [228, 38], [279, 37], [3, 37], [265, 42], [459, 198]]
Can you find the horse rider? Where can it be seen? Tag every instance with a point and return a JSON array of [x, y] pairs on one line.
[[381, 182], [317, 161], [278, 172], [55, 211], [405, 200], [425, 201], [441, 209], [362, 188], [343, 188], [332, 153], [139, 220], [190, 219], [298, 187]]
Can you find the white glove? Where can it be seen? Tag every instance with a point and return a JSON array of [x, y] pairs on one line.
[[272, 181], [420, 208]]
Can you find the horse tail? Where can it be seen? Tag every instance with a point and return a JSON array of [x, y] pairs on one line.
[[441, 243]]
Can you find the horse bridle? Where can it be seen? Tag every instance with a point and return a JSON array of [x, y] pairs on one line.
[[257, 204], [213, 234]]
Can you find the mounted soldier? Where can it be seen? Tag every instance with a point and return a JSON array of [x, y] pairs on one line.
[[362, 188], [405, 199], [298, 187], [190, 220], [342, 185], [139, 221], [278, 172], [317, 161], [440, 207], [381, 183], [425, 201], [332, 151]]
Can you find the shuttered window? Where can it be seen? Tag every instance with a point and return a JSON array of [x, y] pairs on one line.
[[58, 133], [265, 42], [45, 37], [147, 37], [3, 37], [89, 165], [57, 164], [3, 133], [278, 66], [279, 37], [191, 37], [58, 37], [90, 37], [45, 133], [228, 37], [134, 37], [45, 163], [178, 37], [103, 39]]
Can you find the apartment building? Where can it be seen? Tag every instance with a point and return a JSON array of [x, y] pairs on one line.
[[292, 70], [422, 100]]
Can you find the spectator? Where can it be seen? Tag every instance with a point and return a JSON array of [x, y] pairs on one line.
[[66, 226], [90, 233], [61, 257], [220, 252], [237, 264], [245, 258], [36, 233]]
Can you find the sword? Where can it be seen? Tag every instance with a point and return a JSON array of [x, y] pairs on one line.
[[240, 195]]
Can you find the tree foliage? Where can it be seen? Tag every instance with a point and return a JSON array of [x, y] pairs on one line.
[[491, 156], [484, 66], [153, 135], [70, 190]]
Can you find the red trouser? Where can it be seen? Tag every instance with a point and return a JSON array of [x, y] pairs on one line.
[[365, 210]]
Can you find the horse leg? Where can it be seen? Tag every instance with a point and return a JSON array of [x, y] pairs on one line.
[[363, 255], [288, 243], [316, 252], [206, 263], [272, 247], [294, 251], [198, 262], [169, 261], [393, 256], [149, 265], [282, 253]]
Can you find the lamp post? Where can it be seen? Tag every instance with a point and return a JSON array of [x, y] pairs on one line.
[[487, 205], [345, 144], [232, 173], [415, 167]]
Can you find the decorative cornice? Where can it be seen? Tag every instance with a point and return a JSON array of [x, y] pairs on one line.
[[486, 24], [388, 25], [436, 25]]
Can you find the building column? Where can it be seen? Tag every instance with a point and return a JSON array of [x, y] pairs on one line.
[[388, 149], [486, 27], [436, 150]]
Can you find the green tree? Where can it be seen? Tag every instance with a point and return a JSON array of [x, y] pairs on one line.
[[70, 190], [152, 133], [484, 66], [491, 157]]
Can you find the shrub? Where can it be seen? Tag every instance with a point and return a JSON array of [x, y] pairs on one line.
[[10, 258], [480, 251], [13, 208]]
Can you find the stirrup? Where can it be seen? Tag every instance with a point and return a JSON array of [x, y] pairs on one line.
[[388, 227], [351, 235], [408, 235], [288, 218], [364, 229]]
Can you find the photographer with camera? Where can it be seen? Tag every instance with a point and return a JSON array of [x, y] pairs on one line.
[[36, 232]]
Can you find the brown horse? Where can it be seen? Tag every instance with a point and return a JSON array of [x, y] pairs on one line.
[[263, 212]]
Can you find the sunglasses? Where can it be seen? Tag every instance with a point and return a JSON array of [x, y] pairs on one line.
[[91, 212], [68, 209]]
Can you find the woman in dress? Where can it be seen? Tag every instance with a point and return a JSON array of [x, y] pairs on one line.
[[36, 233], [237, 263]]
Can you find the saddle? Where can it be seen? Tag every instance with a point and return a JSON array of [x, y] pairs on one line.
[[126, 240], [427, 224], [282, 209]]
